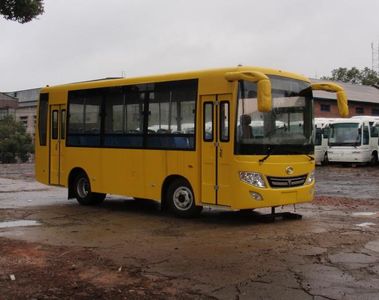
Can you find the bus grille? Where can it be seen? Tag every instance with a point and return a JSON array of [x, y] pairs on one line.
[[286, 182]]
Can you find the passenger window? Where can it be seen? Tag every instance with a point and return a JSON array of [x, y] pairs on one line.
[[124, 117], [171, 115], [366, 136], [374, 131], [84, 121]]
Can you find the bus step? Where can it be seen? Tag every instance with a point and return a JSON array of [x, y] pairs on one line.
[[282, 215]]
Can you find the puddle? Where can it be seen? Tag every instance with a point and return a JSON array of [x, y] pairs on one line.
[[364, 214], [365, 224], [19, 223], [373, 245]]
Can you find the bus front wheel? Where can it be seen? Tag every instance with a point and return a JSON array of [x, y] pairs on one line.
[[181, 200], [326, 160], [83, 193]]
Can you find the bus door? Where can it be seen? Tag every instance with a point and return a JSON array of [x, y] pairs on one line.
[[57, 142], [216, 149]]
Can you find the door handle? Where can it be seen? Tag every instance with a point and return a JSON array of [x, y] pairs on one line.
[[220, 152]]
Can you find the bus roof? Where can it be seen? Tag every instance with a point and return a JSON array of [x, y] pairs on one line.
[[368, 118], [119, 81]]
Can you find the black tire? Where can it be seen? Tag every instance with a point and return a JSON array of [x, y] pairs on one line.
[[83, 193], [181, 200], [374, 159], [326, 160]]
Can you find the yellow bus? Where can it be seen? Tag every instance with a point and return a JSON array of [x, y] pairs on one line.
[[239, 138]]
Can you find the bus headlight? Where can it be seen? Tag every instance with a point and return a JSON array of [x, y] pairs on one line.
[[310, 178], [252, 178]]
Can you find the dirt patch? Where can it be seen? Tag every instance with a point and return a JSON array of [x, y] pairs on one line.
[[48, 272], [343, 202]]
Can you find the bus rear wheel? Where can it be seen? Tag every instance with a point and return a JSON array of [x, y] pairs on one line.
[[83, 193], [374, 159], [181, 200]]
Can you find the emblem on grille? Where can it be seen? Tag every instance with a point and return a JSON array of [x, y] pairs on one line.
[[289, 170]]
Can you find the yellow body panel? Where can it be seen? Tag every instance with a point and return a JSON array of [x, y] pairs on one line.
[[142, 173]]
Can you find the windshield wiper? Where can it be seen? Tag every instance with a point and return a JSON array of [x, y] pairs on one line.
[[271, 150]]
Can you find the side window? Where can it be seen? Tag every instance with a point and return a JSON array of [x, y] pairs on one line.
[[325, 132], [84, 120], [123, 115], [54, 125], [42, 118], [134, 109], [114, 111], [171, 115], [374, 131], [224, 121], [366, 136], [208, 122], [318, 137]]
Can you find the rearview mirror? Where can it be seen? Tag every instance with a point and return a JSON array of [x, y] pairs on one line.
[[343, 107], [263, 86]]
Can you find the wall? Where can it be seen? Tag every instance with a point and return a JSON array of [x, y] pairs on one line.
[[333, 113]]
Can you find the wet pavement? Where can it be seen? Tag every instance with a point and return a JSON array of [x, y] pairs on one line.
[[331, 253]]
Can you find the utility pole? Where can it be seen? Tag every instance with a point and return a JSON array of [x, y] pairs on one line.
[[375, 57]]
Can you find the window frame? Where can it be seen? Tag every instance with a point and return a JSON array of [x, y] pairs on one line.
[[186, 87]]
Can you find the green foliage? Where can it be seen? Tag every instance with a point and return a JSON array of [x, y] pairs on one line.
[[14, 141], [365, 76], [22, 11]]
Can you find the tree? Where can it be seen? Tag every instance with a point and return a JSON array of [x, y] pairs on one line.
[[22, 11], [14, 141], [365, 76]]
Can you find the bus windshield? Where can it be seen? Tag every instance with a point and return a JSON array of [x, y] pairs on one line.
[[345, 134], [287, 129]]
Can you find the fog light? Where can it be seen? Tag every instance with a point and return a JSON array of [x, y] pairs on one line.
[[256, 196]]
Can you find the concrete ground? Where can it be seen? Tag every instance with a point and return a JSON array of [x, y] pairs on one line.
[[123, 249]]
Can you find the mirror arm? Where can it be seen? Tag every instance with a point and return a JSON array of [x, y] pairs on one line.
[[263, 86], [342, 104]]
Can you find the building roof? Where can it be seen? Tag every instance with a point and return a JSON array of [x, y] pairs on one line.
[[29, 95], [355, 92], [6, 97]]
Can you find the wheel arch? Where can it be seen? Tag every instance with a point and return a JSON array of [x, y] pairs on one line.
[[71, 177], [374, 157], [166, 183]]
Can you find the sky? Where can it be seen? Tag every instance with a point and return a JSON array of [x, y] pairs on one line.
[[78, 40]]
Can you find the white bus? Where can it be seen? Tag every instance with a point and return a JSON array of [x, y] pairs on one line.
[[353, 141], [321, 138]]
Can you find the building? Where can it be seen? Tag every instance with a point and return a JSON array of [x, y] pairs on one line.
[[8, 105], [26, 111], [363, 100]]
